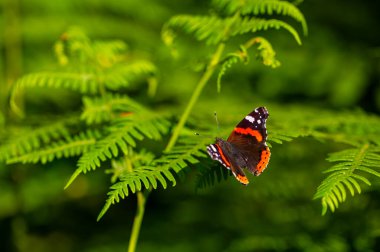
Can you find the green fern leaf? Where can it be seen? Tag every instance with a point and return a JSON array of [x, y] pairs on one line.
[[108, 107], [76, 49], [251, 25], [263, 7], [208, 28], [32, 139], [266, 54], [204, 28], [332, 190], [89, 81], [228, 62], [123, 75], [71, 146], [188, 151], [209, 174], [83, 82], [122, 134]]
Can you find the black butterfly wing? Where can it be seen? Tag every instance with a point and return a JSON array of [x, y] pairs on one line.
[[224, 153], [249, 140]]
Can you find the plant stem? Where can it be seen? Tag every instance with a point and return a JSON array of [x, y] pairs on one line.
[[201, 84], [141, 200], [142, 197]]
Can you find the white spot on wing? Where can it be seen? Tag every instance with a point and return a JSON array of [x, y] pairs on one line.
[[213, 148], [259, 121], [249, 118]]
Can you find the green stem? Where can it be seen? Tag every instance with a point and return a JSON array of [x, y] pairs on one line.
[[201, 84], [141, 200], [142, 197]]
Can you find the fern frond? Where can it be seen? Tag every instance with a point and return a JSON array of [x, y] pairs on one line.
[[209, 174], [76, 49], [204, 28], [164, 169], [251, 25], [89, 81], [263, 7], [124, 74], [32, 139], [228, 62], [83, 82], [124, 165], [208, 28], [122, 134], [266, 54], [107, 107], [346, 174], [280, 136], [71, 146]]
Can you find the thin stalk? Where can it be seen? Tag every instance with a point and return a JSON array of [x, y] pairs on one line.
[[141, 200], [198, 90], [142, 197]]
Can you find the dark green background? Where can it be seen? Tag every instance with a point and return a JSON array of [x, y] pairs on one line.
[[337, 67]]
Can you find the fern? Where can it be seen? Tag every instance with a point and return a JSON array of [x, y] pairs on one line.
[[248, 25], [32, 139], [69, 147], [94, 68], [87, 67], [209, 173], [122, 76], [264, 7], [346, 174], [124, 165], [209, 28], [110, 106], [228, 62], [88, 81], [76, 49], [266, 54], [240, 20], [236, 18], [122, 133], [161, 170]]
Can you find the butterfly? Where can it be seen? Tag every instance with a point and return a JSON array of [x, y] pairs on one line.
[[245, 147]]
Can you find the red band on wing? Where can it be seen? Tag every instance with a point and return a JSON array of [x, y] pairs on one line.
[[248, 131], [264, 160], [242, 179], [224, 159]]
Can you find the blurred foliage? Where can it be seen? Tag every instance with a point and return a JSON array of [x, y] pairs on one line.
[[326, 90]]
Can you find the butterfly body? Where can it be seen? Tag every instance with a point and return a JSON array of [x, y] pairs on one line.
[[245, 148]]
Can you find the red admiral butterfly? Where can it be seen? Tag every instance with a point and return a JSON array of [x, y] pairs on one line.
[[245, 147]]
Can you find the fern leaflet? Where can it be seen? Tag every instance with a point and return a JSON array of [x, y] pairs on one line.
[[263, 7], [32, 139], [247, 25], [188, 151], [344, 175], [89, 81], [122, 134], [209, 28], [71, 146], [108, 107], [209, 174]]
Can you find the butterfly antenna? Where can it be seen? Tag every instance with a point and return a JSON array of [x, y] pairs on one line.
[[217, 122]]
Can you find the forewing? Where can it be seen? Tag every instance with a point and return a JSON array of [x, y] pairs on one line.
[[249, 138]]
